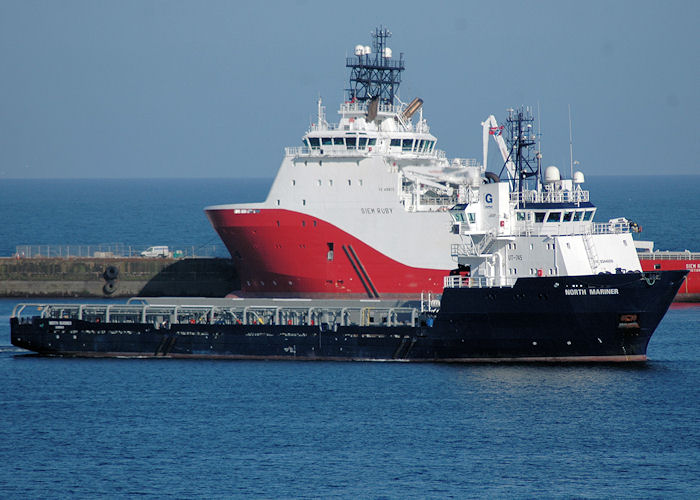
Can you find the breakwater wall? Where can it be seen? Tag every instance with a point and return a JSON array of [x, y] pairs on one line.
[[116, 277]]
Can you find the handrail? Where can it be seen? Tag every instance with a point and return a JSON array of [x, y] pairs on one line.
[[533, 196], [162, 314], [669, 255], [460, 281]]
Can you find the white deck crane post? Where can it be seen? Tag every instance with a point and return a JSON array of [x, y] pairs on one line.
[[490, 127]]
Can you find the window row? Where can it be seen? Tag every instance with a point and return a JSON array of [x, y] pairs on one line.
[[344, 142], [408, 145], [413, 145], [556, 216]]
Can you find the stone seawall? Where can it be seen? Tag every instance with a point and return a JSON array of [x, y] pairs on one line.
[[116, 277]]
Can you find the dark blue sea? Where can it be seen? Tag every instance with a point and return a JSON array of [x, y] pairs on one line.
[[219, 429]]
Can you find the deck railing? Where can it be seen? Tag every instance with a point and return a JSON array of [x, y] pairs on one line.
[[163, 316], [532, 196], [669, 255], [459, 281], [109, 250]]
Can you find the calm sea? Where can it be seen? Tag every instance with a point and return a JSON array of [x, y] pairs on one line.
[[172, 428]]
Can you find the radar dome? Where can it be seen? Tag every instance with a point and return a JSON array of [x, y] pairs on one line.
[[578, 177], [359, 50], [367, 50], [551, 174], [387, 53]]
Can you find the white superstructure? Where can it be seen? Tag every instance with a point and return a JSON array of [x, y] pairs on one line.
[[376, 186]]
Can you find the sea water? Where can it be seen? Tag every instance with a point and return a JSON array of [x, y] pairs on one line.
[[83, 428]]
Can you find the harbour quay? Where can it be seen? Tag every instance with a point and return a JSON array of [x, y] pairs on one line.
[[116, 277]]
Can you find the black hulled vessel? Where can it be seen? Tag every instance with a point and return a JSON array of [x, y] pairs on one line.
[[536, 279]]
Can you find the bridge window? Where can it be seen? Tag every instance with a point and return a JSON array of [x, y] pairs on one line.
[[554, 217], [539, 216], [578, 215], [362, 142], [351, 141], [396, 142], [520, 216], [472, 217], [314, 142], [567, 216], [419, 145], [327, 141], [588, 215], [338, 141], [372, 141], [407, 145]]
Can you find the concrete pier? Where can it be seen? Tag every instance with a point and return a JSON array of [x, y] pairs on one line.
[[116, 277]]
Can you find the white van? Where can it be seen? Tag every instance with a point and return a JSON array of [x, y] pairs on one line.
[[161, 251]]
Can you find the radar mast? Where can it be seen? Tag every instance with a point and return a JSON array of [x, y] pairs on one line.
[[373, 72], [521, 138]]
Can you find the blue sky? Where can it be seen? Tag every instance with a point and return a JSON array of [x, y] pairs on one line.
[[219, 88]]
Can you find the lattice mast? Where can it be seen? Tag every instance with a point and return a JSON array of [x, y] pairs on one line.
[[521, 137], [373, 72]]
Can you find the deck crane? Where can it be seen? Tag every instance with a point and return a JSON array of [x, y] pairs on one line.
[[490, 127]]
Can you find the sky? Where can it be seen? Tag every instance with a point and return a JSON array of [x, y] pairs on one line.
[[153, 89]]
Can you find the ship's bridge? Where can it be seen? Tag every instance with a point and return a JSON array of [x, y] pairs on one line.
[[391, 132]]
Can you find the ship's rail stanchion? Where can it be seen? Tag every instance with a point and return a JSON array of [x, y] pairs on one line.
[[163, 315], [564, 196], [669, 255], [429, 303], [459, 281]]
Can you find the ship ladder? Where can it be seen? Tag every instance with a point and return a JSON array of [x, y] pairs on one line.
[[590, 251]]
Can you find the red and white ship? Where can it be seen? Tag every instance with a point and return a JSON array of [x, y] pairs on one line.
[[663, 260], [360, 208]]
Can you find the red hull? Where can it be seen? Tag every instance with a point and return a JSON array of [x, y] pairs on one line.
[[690, 289], [283, 253]]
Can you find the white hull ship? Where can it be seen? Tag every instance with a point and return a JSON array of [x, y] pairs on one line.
[[360, 209]]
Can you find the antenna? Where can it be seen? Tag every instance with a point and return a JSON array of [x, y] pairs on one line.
[[571, 146], [373, 72], [539, 145], [539, 128]]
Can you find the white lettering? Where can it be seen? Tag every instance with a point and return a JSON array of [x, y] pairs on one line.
[[591, 291]]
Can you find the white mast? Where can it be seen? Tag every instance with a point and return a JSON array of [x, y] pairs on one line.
[[571, 146]]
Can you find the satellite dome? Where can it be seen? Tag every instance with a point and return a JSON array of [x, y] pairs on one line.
[[578, 177], [387, 53], [551, 174], [359, 50]]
